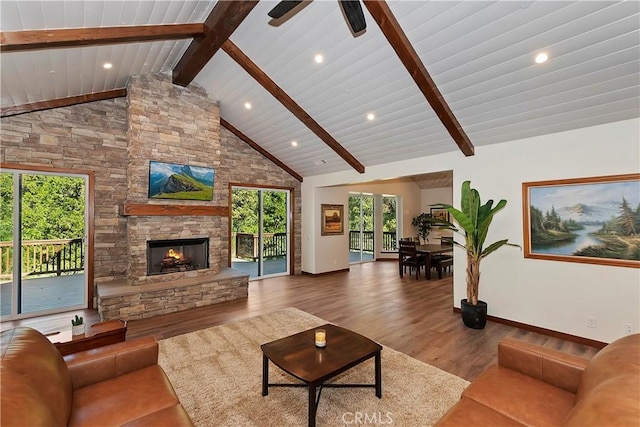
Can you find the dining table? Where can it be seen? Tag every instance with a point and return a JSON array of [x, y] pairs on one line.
[[428, 250]]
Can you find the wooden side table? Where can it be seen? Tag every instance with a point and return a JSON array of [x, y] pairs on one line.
[[96, 335]]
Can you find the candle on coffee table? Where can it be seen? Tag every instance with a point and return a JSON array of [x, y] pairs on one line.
[[321, 338]]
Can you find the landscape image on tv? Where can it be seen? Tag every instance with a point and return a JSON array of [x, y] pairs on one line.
[[180, 182]]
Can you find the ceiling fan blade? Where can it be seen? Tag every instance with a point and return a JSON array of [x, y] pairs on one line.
[[282, 8], [353, 12]]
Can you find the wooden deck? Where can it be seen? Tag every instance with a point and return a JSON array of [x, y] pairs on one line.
[[46, 293]]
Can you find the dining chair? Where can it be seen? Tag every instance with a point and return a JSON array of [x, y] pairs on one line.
[[446, 241], [441, 263], [445, 260], [409, 257]]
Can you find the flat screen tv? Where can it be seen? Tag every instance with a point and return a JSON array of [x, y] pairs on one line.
[[180, 182]]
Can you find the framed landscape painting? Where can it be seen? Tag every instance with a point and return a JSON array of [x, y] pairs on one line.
[[589, 220], [332, 217], [180, 182], [440, 213]]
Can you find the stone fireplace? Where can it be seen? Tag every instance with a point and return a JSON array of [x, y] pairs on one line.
[[177, 125], [175, 255]]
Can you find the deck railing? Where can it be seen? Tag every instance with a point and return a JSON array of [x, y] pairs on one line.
[[245, 245], [44, 257], [389, 243]]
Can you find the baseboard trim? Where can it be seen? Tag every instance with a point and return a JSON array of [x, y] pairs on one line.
[[326, 272], [544, 331]]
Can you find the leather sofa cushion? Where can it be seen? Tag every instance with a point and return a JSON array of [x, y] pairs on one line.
[[551, 366], [21, 403], [468, 412], [123, 399], [29, 354], [615, 401], [519, 397], [621, 357], [99, 364]]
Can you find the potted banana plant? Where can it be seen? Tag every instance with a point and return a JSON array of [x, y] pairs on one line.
[[473, 220]]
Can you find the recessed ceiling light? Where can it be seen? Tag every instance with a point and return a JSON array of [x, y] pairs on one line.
[[294, 144], [107, 65], [318, 58], [371, 116], [541, 57], [247, 105]]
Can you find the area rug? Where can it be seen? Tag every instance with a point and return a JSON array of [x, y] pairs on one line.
[[217, 374]]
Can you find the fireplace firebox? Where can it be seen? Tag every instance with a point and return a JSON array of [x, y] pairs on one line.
[[171, 256]]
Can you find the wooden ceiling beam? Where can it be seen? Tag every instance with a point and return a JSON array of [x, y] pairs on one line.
[[265, 81], [14, 41], [259, 149], [223, 20], [391, 29], [62, 102]]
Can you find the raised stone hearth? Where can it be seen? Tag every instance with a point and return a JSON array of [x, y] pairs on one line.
[[117, 300]]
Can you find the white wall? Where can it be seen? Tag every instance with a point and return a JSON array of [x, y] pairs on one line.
[[548, 294], [333, 251]]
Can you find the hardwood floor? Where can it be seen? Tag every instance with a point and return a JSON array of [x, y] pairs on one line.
[[409, 315]]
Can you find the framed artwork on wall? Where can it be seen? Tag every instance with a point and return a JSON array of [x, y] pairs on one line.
[[180, 182], [440, 213], [592, 220], [332, 217]]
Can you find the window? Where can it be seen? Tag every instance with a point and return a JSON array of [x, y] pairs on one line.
[[389, 223]]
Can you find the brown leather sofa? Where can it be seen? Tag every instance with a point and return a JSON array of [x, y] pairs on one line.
[[536, 386], [115, 385]]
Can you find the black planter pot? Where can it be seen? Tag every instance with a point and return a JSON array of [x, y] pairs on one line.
[[474, 316]]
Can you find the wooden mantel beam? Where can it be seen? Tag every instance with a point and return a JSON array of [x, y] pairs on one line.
[[390, 27], [265, 81], [223, 20], [14, 41]]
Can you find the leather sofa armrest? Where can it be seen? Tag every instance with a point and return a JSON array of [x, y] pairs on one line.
[[92, 366], [554, 367]]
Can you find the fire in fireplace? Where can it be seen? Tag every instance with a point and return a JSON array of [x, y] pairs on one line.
[[170, 256]]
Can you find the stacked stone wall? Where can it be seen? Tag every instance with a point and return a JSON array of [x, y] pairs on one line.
[[92, 137], [172, 124]]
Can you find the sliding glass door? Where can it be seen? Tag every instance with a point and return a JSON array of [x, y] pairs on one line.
[[260, 231], [42, 243], [361, 227]]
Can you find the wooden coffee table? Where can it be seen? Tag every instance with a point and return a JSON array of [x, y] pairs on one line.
[[298, 356]]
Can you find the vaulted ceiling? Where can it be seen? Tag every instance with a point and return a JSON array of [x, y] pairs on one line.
[[438, 76]]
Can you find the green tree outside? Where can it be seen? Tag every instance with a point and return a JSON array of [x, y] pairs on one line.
[[53, 207]]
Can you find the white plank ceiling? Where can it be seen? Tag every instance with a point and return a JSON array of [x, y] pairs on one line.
[[480, 54]]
